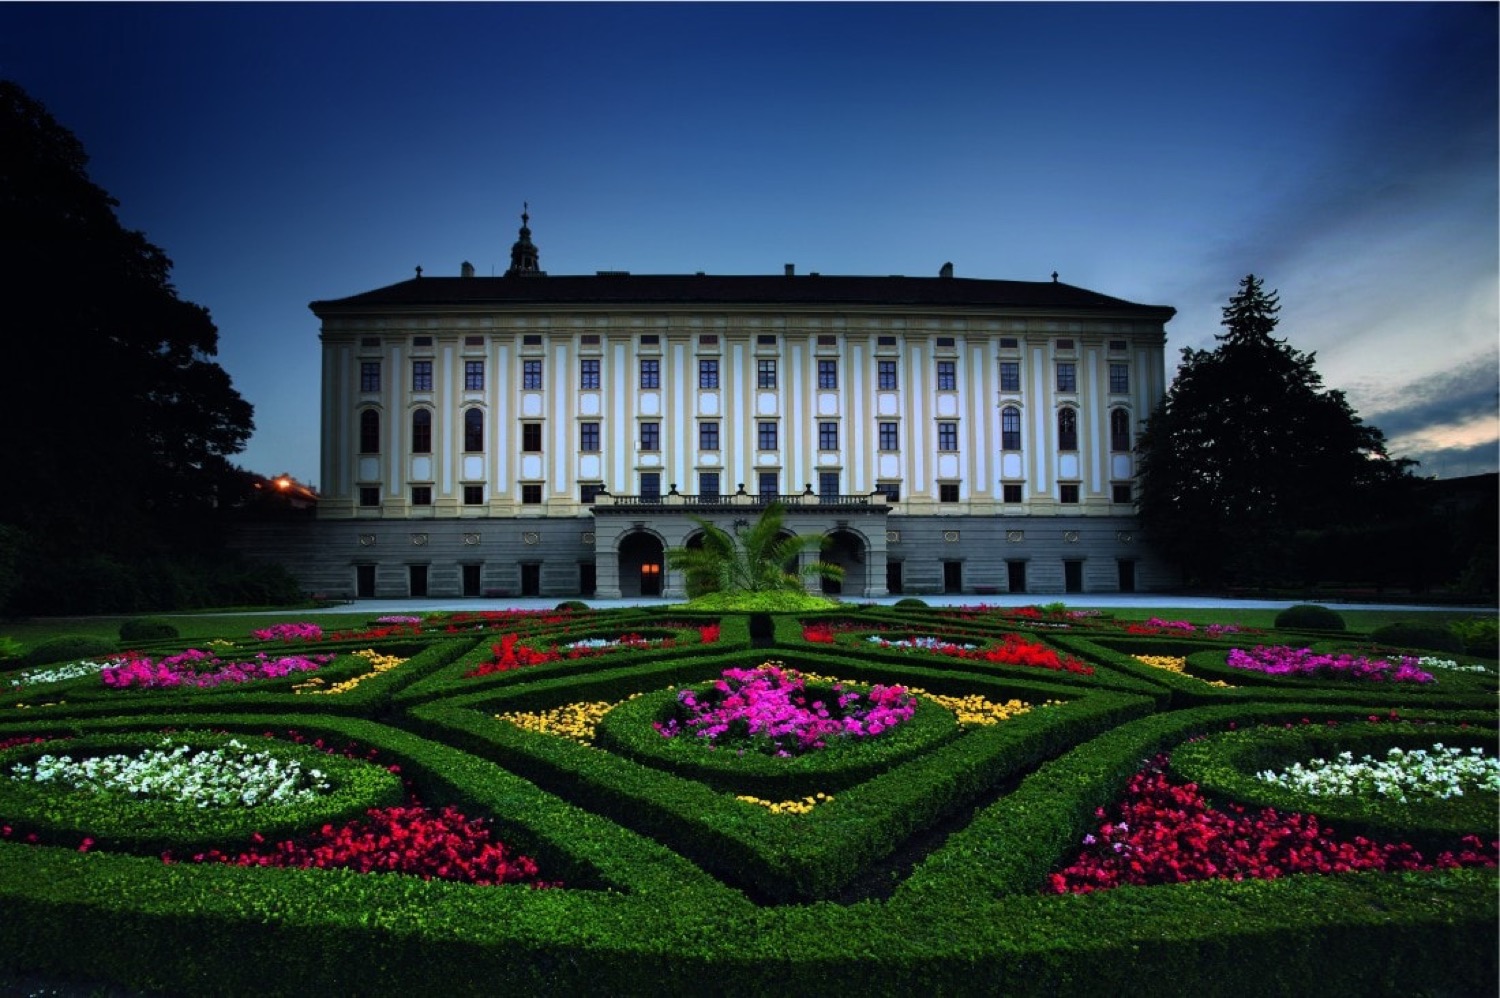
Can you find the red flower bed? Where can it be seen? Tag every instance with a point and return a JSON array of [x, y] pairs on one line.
[[1165, 833], [510, 655], [1019, 650]]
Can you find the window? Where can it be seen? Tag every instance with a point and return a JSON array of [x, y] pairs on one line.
[[1064, 344], [650, 373], [766, 340], [473, 495], [369, 495], [421, 431], [1119, 378], [588, 437], [473, 375], [1010, 428], [885, 375], [588, 491], [947, 436], [370, 341], [769, 486], [708, 486], [708, 374], [421, 375], [945, 341], [473, 430], [947, 376], [531, 340], [650, 436], [588, 374], [1069, 492], [1120, 492], [369, 376], [421, 495], [708, 340], [473, 341], [891, 491], [885, 341], [828, 341], [369, 432], [708, 435], [651, 486], [531, 438], [531, 494], [766, 436], [589, 340], [765, 374], [1117, 346], [1009, 343], [1067, 429], [1010, 492], [1010, 376], [650, 339], [828, 486], [828, 374], [828, 436], [890, 437], [1119, 430], [947, 492], [531, 374], [1067, 377]]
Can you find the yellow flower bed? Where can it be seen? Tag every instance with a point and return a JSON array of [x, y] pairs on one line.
[[572, 720], [802, 806], [972, 710], [379, 663], [1177, 664]]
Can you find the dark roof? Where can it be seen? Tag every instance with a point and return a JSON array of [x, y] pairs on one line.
[[712, 290]]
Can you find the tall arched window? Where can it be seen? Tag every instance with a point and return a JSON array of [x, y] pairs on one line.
[[1067, 428], [1010, 428], [369, 432], [421, 431], [473, 430], [1119, 430]]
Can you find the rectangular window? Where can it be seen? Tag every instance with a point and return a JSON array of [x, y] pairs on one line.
[[708, 435], [769, 486], [828, 486], [531, 340], [369, 495], [651, 486], [890, 437], [828, 436], [945, 341], [473, 341], [1010, 376], [421, 495], [589, 340], [650, 436], [947, 436], [588, 374], [473, 375], [828, 374], [1117, 346], [947, 376], [531, 494], [891, 491], [885, 341], [1009, 343], [1120, 492], [473, 495], [531, 374], [531, 438], [885, 375], [765, 374], [708, 486], [1064, 344], [708, 374], [1010, 492], [650, 373], [1068, 492], [766, 436], [766, 340], [369, 376], [1067, 377], [650, 339], [421, 341], [421, 375], [1119, 378], [588, 491], [588, 437], [947, 492], [421, 432], [369, 432], [1010, 428], [708, 340]]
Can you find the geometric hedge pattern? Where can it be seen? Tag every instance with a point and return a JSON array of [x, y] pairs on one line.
[[925, 870]]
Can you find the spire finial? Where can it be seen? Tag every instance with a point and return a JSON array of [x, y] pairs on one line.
[[1054, 277], [525, 212], [523, 254]]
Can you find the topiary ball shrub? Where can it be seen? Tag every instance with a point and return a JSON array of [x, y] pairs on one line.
[[146, 629], [68, 648], [572, 604], [1309, 617], [1428, 637], [910, 601]]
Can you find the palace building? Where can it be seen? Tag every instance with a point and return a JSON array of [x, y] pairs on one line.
[[545, 435]]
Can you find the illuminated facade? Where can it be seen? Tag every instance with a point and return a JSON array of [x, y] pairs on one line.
[[554, 435]]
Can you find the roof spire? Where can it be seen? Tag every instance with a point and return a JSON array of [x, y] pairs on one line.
[[523, 254]]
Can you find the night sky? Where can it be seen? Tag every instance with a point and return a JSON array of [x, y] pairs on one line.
[[1345, 153]]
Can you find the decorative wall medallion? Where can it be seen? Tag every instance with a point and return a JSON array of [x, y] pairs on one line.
[[531, 537], [950, 536], [419, 540], [587, 537], [1070, 536], [893, 537], [471, 539], [1125, 536], [1015, 536], [366, 540]]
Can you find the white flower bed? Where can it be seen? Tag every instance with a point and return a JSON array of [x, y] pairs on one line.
[[1429, 662], [925, 643], [58, 673], [1402, 775], [229, 776]]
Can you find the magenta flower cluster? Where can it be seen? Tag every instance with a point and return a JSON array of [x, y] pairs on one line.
[[288, 632], [201, 669], [769, 709], [1281, 660]]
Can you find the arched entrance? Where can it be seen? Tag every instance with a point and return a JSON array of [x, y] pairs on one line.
[[846, 549], [642, 564]]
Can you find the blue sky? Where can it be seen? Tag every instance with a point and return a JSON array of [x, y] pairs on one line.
[[1345, 153]]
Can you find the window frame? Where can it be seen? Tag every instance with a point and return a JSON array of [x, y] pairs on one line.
[[421, 431], [1067, 428], [828, 435], [421, 376], [708, 434], [650, 436], [886, 377], [708, 374], [530, 429], [1010, 375], [369, 431], [473, 375], [947, 376], [1067, 376], [588, 374], [765, 373], [766, 435], [588, 433], [1010, 436], [473, 430], [650, 373], [369, 376], [531, 374], [947, 436], [888, 435]]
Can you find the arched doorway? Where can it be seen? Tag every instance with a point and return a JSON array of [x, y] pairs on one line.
[[642, 564], [846, 549]]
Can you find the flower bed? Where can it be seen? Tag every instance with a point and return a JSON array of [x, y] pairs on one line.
[[202, 670], [1282, 660]]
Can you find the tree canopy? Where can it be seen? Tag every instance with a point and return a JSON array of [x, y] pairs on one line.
[[753, 559], [1247, 449]]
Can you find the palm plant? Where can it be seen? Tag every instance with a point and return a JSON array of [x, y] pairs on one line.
[[751, 560]]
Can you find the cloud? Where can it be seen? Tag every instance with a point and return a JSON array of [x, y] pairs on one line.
[[1462, 395], [1456, 462]]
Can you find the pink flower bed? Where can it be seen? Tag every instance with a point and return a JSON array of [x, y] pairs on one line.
[[202, 669], [288, 632], [1281, 660]]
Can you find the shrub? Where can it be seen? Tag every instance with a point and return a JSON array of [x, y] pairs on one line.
[[910, 602], [1481, 635], [67, 648], [1429, 637], [573, 605], [9, 648], [1309, 617], [146, 629]]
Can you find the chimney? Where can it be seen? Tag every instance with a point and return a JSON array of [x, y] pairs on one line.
[[791, 269], [467, 269], [947, 270]]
